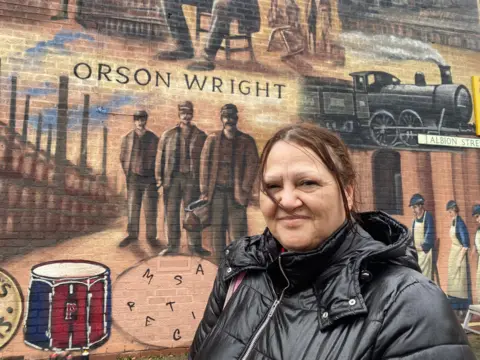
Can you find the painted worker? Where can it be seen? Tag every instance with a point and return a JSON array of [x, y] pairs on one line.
[[476, 215], [228, 169], [178, 171], [63, 12], [137, 157], [223, 12], [423, 229], [459, 282], [325, 17]]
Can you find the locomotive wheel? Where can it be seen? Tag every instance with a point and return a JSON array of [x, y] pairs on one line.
[[383, 128], [411, 119]]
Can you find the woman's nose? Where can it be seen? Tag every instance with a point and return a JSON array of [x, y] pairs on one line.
[[289, 199]]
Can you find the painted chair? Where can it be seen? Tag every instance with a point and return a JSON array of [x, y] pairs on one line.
[[472, 310], [201, 12]]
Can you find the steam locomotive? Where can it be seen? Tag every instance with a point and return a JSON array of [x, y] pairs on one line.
[[377, 106]]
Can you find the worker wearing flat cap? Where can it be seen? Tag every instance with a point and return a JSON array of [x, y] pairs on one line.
[[459, 284], [137, 157], [423, 229], [178, 171], [229, 165], [476, 215]]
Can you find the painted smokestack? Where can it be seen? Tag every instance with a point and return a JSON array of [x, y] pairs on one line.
[[446, 74], [104, 157], [84, 139], [62, 122], [420, 79], [49, 141], [25, 120], [13, 105], [39, 132]]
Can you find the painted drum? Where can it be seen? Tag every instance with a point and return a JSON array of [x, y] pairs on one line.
[[69, 305], [11, 307]]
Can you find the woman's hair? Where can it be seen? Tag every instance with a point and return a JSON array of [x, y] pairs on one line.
[[328, 147]]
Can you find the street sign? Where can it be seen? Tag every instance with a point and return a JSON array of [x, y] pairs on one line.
[[453, 141]]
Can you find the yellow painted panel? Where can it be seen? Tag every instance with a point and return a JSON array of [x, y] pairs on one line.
[[476, 102]]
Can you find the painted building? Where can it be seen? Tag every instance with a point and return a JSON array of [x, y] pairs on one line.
[[116, 116]]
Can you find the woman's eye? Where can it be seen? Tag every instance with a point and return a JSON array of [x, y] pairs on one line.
[[308, 183], [271, 186]]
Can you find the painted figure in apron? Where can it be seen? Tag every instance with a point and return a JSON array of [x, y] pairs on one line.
[[423, 230], [476, 215], [459, 284]]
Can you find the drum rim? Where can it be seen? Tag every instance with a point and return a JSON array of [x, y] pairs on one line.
[[105, 268], [22, 298]]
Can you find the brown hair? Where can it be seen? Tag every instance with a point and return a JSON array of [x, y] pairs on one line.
[[328, 147]]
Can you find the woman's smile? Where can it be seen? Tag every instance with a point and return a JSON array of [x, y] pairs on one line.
[[293, 220]]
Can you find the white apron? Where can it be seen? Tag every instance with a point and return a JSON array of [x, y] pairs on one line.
[[457, 276], [424, 260]]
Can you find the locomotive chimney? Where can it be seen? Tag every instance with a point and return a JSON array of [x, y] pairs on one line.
[[446, 74], [420, 79]]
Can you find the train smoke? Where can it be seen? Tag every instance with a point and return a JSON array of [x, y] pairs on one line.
[[390, 47]]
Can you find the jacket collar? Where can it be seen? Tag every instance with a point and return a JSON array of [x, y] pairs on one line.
[[194, 130], [336, 269]]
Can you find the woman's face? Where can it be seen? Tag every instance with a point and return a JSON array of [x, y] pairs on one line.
[[452, 213], [302, 184]]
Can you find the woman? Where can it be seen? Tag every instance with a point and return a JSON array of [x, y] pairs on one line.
[[476, 215], [423, 230], [459, 284], [322, 281]]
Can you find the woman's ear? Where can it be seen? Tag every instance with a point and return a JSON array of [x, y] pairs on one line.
[[349, 194]]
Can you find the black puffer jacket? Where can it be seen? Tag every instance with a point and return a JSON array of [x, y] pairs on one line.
[[359, 296]]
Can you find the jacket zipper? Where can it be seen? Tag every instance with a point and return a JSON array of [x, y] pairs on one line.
[[269, 315]]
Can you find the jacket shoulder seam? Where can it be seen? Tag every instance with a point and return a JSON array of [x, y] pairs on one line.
[[400, 292]]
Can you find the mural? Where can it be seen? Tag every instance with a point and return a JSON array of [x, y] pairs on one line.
[[137, 157], [384, 112], [11, 307], [69, 306], [459, 283], [476, 215], [166, 301], [427, 21], [130, 139], [178, 171]]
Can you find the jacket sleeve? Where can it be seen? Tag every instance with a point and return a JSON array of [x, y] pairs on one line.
[[160, 161], [462, 233], [252, 161], [123, 155], [212, 312], [419, 324], [205, 163], [429, 233], [197, 152], [477, 240]]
